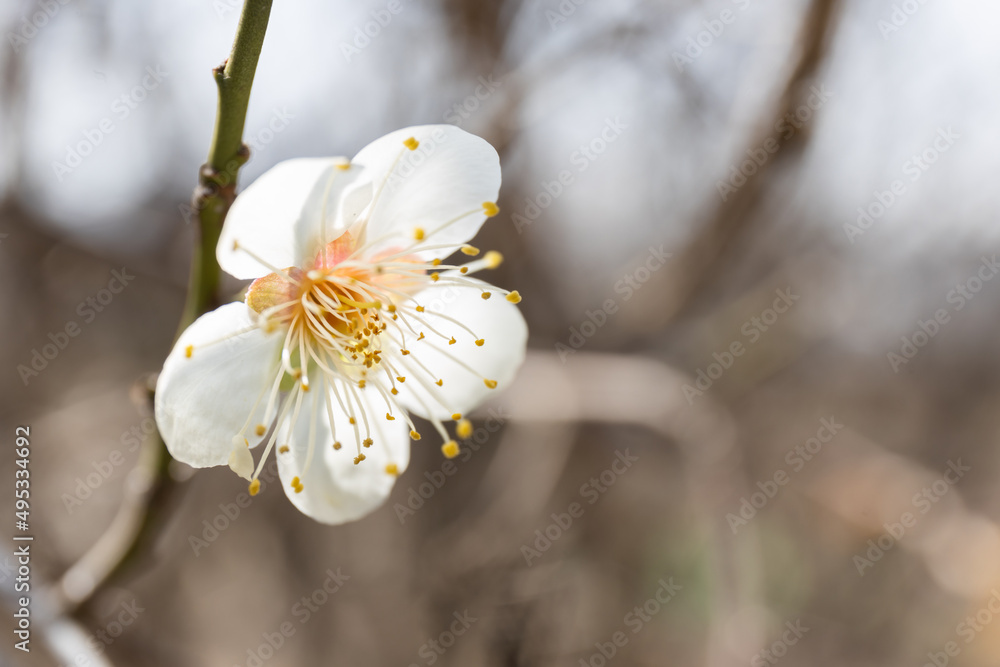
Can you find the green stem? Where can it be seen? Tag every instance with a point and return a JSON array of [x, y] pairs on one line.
[[144, 509], [217, 179]]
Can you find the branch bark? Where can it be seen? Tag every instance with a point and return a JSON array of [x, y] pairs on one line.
[[151, 487], [216, 188]]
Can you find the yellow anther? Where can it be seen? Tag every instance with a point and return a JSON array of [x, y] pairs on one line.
[[411, 143], [394, 391], [351, 419], [490, 209], [359, 458], [295, 481], [440, 383], [343, 166], [305, 387], [452, 341], [418, 233], [469, 250], [283, 449], [361, 384], [450, 449], [421, 337], [188, 351], [298, 489], [391, 308], [414, 435], [486, 295], [514, 297], [337, 445], [420, 309], [390, 417], [260, 429], [492, 384], [464, 429], [481, 342], [254, 487], [457, 416], [464, 269], [493, 259], [392, 469], [400, 378], [404, 352], [435, 277], [367, 442], [436, 261]]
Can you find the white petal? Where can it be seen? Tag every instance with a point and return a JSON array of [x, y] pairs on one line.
[[241, 461], [203, 401], [452, 173], [278, 217], [496, 320], [334, 489]]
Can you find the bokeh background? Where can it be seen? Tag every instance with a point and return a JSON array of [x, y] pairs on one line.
[[713, 157]]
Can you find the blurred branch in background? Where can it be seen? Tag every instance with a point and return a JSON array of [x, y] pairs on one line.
[[732, 217]]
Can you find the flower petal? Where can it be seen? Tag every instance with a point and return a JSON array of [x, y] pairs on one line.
[[442, 185], [498, 322], [333, 489], [278, 217], [202, 401]]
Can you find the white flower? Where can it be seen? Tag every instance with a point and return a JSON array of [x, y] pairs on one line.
[[353, 321]]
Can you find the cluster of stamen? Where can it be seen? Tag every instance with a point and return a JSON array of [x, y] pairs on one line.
[[338, 318]]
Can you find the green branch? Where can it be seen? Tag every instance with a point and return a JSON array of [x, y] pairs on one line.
[[216, 188], [145, 505]]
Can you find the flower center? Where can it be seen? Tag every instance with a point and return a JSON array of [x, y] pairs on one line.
[[346, 320]]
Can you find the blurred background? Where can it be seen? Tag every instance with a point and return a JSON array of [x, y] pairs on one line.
[[756, 241]]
